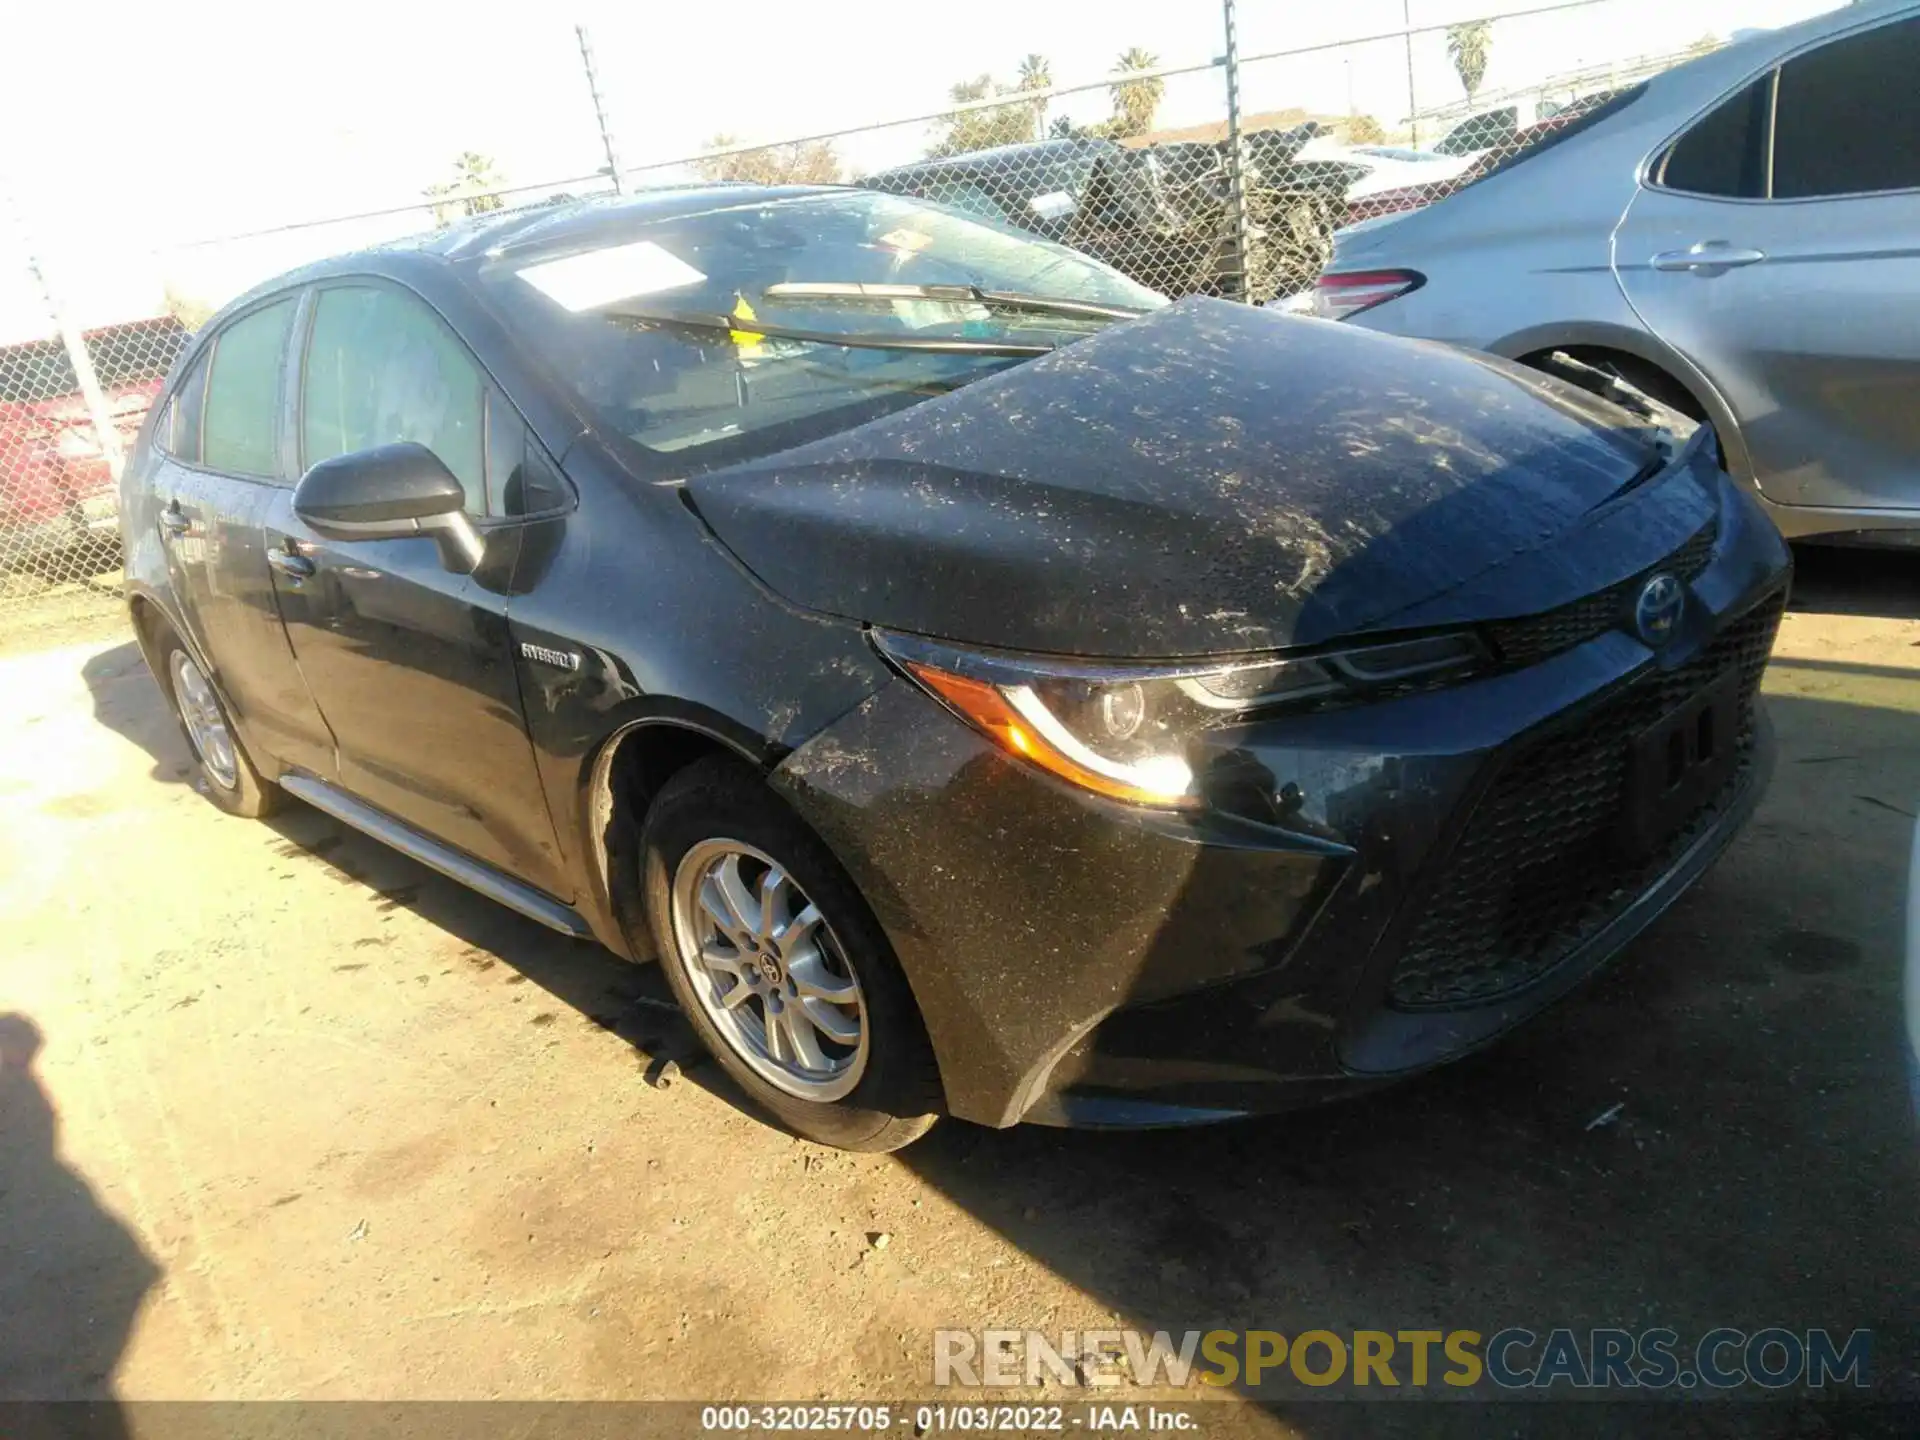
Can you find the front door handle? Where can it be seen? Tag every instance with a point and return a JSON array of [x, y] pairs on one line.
[[1709, 257], [289, 563], [174, 520]]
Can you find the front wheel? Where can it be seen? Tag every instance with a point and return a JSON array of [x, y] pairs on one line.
[[780, 966]]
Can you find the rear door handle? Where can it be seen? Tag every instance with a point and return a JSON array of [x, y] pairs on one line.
[[174, 520], [290, 564], [1709, 257]]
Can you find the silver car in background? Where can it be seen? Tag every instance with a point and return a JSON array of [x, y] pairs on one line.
[[1738, 237]]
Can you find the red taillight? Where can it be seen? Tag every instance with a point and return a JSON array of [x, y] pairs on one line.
[[1337, 296]]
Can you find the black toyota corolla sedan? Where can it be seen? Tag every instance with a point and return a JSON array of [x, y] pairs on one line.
[[987, 688]]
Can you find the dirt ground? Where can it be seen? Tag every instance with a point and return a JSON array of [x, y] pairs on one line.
[[310, 1121]]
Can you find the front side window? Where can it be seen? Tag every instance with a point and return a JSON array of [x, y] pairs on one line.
[[238, 430], [382, 367], [594, 313], [1849, 116], [1725, 153]]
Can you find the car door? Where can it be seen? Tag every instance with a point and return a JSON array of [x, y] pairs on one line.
[[219, 483], [410, 663], [1777, 246]]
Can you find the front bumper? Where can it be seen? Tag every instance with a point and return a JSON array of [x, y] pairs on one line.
[[1082, 962]]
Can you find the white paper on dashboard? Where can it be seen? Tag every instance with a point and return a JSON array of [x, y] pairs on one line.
[[600, 277]]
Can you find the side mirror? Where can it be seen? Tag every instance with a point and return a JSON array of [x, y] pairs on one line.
[[386, 493]]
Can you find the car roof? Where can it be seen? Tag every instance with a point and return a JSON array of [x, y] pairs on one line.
[[1605, 157], [1725, 67], [561, 224]]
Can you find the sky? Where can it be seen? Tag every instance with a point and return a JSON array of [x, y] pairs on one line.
[[162, 125]]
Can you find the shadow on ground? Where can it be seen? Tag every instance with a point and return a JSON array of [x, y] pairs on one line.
[[1852, 580], [630, 1000], [1715, 1133], [57, 1240]]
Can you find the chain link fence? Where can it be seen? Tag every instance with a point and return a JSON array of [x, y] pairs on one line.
[[70, 407], [1243, 205]]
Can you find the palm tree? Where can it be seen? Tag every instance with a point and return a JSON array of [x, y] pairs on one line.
[[807, 162], [967, 130], [1134, 101], [1036, 74], [474, 176], [468, 193], [1468, 45]]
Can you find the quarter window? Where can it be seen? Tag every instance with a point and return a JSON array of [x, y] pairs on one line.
[[180, 435], [238, 434], [382, 367], [1726, 152], [1849, 116]]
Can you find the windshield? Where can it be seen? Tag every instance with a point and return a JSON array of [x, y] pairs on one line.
[[1400, 152], [594, 313]]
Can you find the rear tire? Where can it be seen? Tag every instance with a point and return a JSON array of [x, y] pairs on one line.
[[227, 775], [779, 964]]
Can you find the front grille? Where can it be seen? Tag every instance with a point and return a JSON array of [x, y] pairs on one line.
[[1535, 872], [1534, 638]]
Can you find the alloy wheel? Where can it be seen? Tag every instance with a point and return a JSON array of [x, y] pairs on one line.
[[767, 970], [206, 725]]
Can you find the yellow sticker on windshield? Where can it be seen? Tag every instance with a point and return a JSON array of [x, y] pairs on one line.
[[911, 241], [750, 342]]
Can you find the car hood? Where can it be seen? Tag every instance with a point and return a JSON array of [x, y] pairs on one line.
[[1207, 479]]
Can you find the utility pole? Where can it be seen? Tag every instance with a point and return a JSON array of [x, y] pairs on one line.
[[1406, 24], [1237, 155], [599, 110], [75, 343]]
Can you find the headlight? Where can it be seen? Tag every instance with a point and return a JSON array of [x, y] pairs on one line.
[[1128, 732]]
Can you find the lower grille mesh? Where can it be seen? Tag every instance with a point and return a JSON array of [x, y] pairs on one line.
[[1534, 872]]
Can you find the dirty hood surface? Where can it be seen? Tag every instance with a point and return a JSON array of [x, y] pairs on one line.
[[1206, 479]]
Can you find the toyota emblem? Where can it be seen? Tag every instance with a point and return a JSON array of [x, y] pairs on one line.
[[1657, 612]]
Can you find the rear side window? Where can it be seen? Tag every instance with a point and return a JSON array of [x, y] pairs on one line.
[[180, 433], [1537, 140], [383, 367], [1481, 132], [243, 393], [1725, 153], [1849, 116]]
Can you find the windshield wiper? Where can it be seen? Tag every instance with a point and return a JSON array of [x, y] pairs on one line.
[[952, 294], [733, 324]]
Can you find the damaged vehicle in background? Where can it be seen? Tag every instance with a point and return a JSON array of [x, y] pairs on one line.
[[1737, 236], [1161, 213], [988, 689], [58, 510]]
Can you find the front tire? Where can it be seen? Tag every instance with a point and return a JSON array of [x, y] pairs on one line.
[[779, 964], [228, 777]]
